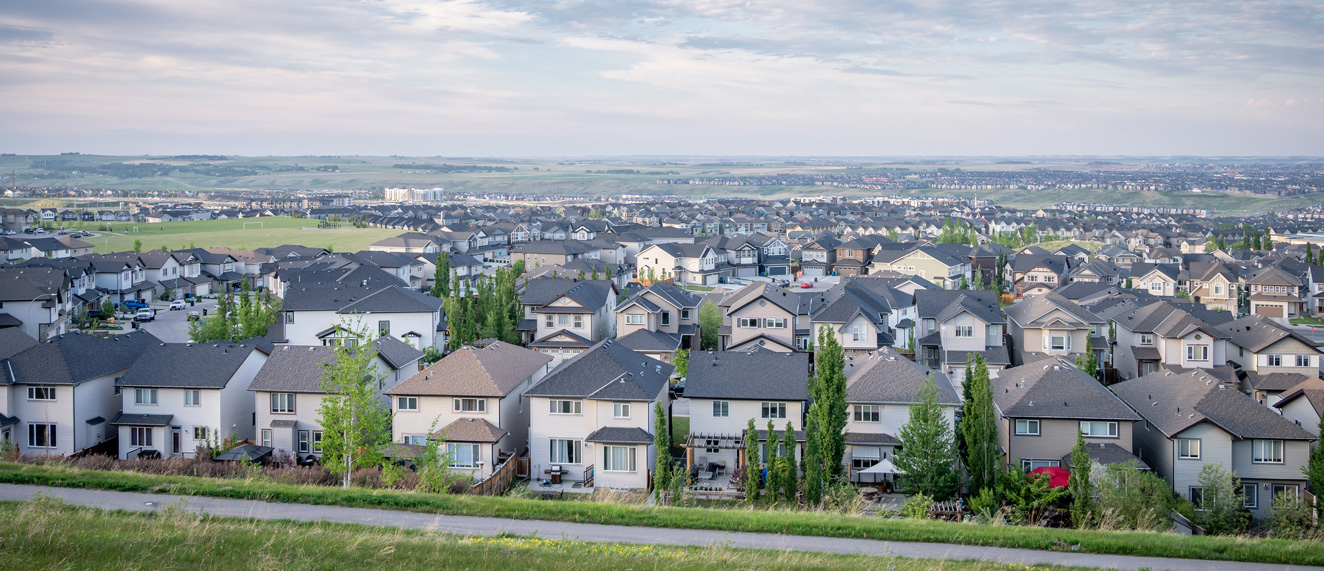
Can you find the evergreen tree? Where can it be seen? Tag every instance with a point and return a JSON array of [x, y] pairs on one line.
[[829, 389], [1222, 243], [441, 279], [773, 457], [662, 444], [813, 458], [1314, 472], [927, 452], [786, 463], [1082, 490], [964, 283], [751, 470], [979, 428], [710, 322], [1310, 253]]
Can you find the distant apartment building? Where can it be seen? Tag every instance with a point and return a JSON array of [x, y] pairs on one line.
[[413, 195]]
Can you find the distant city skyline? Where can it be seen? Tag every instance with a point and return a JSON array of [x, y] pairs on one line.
[[518, 78]]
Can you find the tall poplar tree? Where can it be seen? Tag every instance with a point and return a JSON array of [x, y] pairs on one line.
[[790, 474], [751, 468], [1082, 490], [441, 279], [979, 428], [662, 443]]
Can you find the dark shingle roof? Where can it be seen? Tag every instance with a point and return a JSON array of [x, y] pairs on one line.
[[748, 375], [606, 371], [943, 304], [208, 365], [470, 430], [1257, 332], [1055, 388], [395, 352], [122, 419], [1107, 453], [650, 341], [884, 376], [1174, 401], [620, 435], [492, 371], [74, 358]]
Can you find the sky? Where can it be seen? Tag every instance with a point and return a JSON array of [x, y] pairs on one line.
[[543, 78]]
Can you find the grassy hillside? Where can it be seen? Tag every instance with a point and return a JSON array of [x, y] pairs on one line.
[[259, 233]]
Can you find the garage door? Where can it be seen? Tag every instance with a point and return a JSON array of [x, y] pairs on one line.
[[1269, 310], [813, 271]]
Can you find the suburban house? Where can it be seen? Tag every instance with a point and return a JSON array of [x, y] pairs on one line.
[[1044, 404], [956, 325], [1275, 293], [857, 316], [1034, 274], [564, 317], [880, 389], [929, 262], [591, 418], [690, 264], [1161, 280], [311, 312], [817, 257], [36, 300], [61, 393], [658, 320], [1273, 357], [1050, 324], [763, 315], [727, 389], [550, 253], [1161, 334], [1303, 404], [1214, 285], [287, 392], [178, 397], [473, 400], [1192, 418]]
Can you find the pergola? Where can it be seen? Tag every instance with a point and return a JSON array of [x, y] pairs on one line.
[[715, 441]]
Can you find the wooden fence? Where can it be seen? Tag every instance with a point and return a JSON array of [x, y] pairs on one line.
[[500, 479]]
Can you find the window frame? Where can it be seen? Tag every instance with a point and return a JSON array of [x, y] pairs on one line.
[[1017, 430], [863, 413], [617, 408], [479, 405], [196, 395], [1277, 446], [264, 437], [139, 393], [1066, 343], [35, 393], [574, 408], [768, 408], [1203, 353], [721, 409], [304, 441], [1112, 428], [968, 329], [475, 460], [1275, 489], [1250, 500], [289, 403], [573, 451], [49, 435], [1301, 358], [140, 436], [317, 441], [1146, 339], [632, 454], [1028, 464], [200, 433], [1188, 442], [635, 319]]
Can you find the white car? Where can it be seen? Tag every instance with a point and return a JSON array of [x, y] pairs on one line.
[[178, 304], [145, 314]]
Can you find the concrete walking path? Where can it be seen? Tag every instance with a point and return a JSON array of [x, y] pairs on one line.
[[486, 526]]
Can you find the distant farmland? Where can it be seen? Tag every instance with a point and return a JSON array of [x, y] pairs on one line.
[[261, 233]]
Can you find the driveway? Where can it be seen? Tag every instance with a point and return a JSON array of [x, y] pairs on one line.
[[172, 326], [486, 526]]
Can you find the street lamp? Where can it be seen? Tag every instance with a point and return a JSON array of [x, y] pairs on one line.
[[28, 315]]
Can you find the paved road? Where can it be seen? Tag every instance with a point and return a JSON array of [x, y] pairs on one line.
[[172, 326], [466, 525]]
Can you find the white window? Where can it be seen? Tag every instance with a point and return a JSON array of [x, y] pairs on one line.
[[1028, 464], [303, 442], [1303, 360], [192, 397], [469, 405], [563, 320], [282, 403], [775, 323], [1098, 428], [965, 331], [857, 332], [1266, 451], [620, 410], [550, 321], [266, 437], [1188, 448], [1249, 497], [1197, 352], [866, 413], [1146, 338], [993, 332], [567, 407], [41, 393], [41, 435], [200, 433], [1027, 427], [774, 410], [1274, 360], [929, 324], [1059, 342], [144, 396], [634, 319], [416, 439], [289, 317], [579, 321], [463, 455], [749, 323], [1218, 289], [565, 451], [140, 436], [684, 314], [1277, 489], [721, 409], [618, 458]]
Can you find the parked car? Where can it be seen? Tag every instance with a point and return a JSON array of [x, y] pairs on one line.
[[177, 304], [145, 314], [132, 304], [806, 285], [39, 231], [10, 232], [193, 316]]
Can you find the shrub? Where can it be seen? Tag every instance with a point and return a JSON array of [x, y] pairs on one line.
[[985, 504], [1291, 518], [918, 506]]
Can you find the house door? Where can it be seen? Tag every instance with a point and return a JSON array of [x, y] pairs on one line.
[[175, 441]]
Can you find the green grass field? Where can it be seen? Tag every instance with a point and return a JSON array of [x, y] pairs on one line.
[[750, 519], [46, 534], [260, 233]]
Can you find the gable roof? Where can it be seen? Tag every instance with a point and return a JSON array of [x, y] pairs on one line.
[[944, 304], [1054, 388], [74, 358], [208, 365], [1257, 332], [1033, 310], [1174, 401], [492, 371], [748, 375], [884, 376], [606, 371]]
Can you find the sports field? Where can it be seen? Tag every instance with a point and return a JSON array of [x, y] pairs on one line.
[[241, 233]]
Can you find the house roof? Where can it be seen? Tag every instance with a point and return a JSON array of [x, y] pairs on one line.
[[649, 341], [1174, 401], [13, 341], [884, 376], [1256, 333], [620, 435], [393, 300], [606, 371], [74, 358], [210, 365], [592, 294], [492, 371], [1052, 387], [748, 375], [395, 352], [122, 419], [1311, 389], [470, 430], [1107, 453], [849, 299], [943, 304], [1032, 311]]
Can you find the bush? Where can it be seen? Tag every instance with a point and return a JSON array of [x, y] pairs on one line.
[[1131, 498], [842, 496], [918, 506], [985, 504], [1291, 518]]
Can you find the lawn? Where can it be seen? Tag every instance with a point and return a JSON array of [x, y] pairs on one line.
[[47, 534], [1307, 321], [259, 233], [744, 519]]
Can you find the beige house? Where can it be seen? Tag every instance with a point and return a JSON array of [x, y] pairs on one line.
[[473, 400], [767, 316], [1274, 358], [880, 389], [927, 262], [1044, 404], [1275, 293], [1158, 279], [564, 317], [1161, 334], [1054, 325], [1214, 285]]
